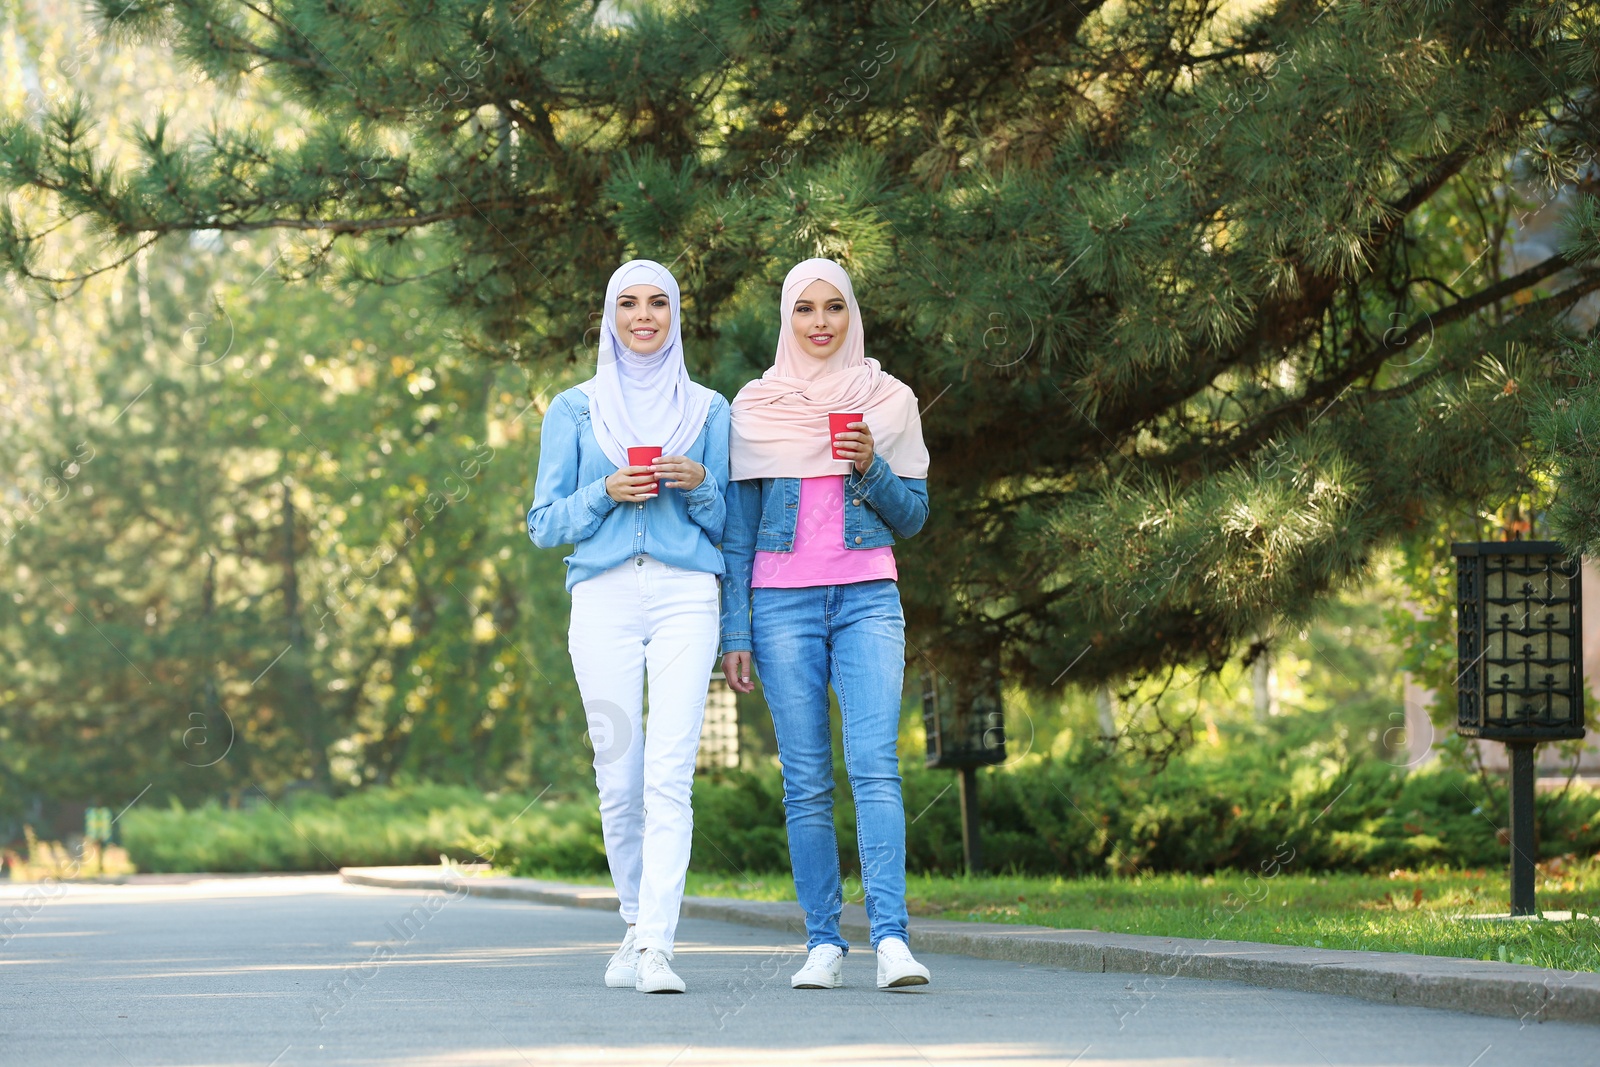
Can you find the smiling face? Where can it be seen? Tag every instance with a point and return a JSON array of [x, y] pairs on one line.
[[820, 320], [644, 318]]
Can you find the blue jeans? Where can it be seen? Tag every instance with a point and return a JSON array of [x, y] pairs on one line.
[[853, 636]]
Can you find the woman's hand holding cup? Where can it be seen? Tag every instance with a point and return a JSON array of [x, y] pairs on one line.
[[681, 472], [632, 485], [852, 441], [629, 480]]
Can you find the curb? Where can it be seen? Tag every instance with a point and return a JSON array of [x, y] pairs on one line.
[[1506, 990]]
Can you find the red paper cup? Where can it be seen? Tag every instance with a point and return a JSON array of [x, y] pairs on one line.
[[643, 456], [838, 423]]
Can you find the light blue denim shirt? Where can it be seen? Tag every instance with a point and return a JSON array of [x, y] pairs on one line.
[[571, 506], [763, 514]]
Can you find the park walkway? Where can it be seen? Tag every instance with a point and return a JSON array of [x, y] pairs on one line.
[[279, 971]]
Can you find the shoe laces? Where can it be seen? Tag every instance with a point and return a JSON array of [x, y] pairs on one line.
[[623, 950], [823, 955], [652, 960], [894, 950]]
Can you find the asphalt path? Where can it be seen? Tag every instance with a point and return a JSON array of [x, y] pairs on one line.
[[288, 971]]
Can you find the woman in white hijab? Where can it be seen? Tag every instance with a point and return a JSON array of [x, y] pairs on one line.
[[643, 575]]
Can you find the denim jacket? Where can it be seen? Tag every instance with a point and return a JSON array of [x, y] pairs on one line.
[[571, 505], [763, 514]]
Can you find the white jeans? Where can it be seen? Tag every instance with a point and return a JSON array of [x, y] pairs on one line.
[[639, 618]]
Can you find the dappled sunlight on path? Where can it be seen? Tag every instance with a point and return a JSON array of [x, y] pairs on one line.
[[281, 971]]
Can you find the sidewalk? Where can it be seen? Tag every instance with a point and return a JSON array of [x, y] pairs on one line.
[[1508, 990]]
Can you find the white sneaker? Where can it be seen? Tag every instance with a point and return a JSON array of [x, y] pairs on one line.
[[824, 969], [655, 974], [620, 972], [896, 967]]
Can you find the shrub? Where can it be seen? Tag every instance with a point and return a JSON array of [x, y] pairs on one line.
[[738, 822], [1078, 814], [405, 824]]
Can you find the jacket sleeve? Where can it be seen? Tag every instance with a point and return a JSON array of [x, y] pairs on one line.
[[563, 511], [707, 501], [738, 560], [902, 503]]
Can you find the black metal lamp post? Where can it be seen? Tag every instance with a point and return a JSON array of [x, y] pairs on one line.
[[1518, 642], [965, 724]]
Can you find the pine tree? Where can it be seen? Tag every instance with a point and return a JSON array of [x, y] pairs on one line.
[[1203, 308], [1566, 418]]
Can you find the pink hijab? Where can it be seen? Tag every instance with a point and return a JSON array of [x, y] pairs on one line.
[[780, 420]]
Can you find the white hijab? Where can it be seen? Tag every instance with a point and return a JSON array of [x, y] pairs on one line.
[[643, 400]]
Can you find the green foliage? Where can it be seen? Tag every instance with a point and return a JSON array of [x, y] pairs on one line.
[[259, 533], [407, 824], [266, 537], [738, 822], [1568, 428], [1252, 809], [1206, 306], [1081, 815]]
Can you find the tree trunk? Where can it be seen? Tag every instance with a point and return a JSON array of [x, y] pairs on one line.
[[1264, 684], [301, 689], [1106, 704]]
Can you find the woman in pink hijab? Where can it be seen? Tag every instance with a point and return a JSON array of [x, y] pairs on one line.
[[810, 594]]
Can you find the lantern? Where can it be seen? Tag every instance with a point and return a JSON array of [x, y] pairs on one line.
[[965, 725], [962, 733], [1519, 667]]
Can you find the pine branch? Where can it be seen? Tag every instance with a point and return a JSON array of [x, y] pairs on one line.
[[1546, 308], [77, 280], [1319, 397], [1485, 297]]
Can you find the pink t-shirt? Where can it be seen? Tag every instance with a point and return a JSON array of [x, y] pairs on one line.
[[819, 556]]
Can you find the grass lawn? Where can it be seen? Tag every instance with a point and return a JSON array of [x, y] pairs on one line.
[[1404, 911]]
